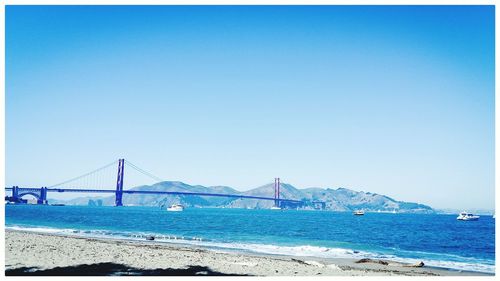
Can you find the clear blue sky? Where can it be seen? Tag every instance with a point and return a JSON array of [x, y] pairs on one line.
[[392, 100]]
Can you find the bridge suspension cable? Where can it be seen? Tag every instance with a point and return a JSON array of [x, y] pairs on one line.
[[148, 174], [86, 175], [105, 179]]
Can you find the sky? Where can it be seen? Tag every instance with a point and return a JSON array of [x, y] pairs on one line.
[[395, 100]]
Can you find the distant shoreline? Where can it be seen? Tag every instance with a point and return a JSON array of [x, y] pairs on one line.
[[485, 213], [52, 254]]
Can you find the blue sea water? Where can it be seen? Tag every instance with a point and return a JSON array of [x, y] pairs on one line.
[[438, 240]]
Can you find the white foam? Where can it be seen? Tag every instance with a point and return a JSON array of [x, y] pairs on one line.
[[460, 266], [302, 250], [324, 252], [41, 229]]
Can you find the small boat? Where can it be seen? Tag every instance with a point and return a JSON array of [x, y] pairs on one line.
[[464, 216], [175, 208], [275, 208], [359, 212]]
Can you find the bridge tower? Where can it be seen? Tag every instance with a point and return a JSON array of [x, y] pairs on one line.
[[15, 194], [276, 192], [43, 196], [119, 183]]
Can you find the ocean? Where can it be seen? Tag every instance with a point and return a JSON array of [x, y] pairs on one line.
[[437, 240]]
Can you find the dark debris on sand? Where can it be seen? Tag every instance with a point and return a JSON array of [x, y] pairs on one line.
[[372, 261], [113, 269]]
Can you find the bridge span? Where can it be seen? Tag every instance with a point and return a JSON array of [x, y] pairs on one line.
[[41, 193]]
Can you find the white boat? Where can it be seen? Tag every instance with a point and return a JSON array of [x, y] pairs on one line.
[[359, 212], [175, 208], [275, 208], [464, 216]]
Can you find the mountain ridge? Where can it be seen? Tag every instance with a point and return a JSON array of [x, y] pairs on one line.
[[340, 199]]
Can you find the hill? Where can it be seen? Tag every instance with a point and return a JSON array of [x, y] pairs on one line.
[[340, 199]]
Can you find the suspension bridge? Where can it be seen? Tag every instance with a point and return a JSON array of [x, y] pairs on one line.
[[93, 182]]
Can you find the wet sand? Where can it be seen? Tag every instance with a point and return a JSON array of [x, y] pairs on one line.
[[28, 253]]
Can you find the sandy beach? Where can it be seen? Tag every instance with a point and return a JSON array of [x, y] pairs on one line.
[[29, 253]]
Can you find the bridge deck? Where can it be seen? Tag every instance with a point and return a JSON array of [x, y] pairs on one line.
[[76, 190]]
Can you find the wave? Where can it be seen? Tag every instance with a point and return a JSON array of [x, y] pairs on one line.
[[452, 262]]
